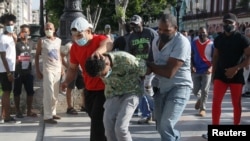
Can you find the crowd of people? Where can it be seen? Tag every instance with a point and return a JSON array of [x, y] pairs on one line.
[[152, 71]]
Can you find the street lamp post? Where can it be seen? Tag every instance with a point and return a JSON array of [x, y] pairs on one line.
[[177, 8], [72, 10]]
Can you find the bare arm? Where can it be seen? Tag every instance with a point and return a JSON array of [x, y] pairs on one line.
[[105, 46], [6, 66], [70, 75], [38, 53], [168, 70]]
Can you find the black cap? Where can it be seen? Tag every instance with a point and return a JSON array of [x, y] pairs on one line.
[[230, 17], [136, 19]]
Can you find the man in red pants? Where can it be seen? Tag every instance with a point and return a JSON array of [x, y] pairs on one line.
[[228, 64]]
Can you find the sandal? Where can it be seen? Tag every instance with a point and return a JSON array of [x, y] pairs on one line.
[[71, 111]]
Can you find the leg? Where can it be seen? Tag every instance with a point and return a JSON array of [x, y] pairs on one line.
[[196, 89], [218, 94], [94, 107], [56, 80], [111, 107], [17, 92], [29, 87], [236, 90], [128, 104], [175, 102], [7, 88], [205, 86]]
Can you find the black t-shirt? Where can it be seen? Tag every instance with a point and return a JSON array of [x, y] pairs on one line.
[[23, 54], [139, 43], [231, 51]]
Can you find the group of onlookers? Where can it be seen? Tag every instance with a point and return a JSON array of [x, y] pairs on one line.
[[154, 71]]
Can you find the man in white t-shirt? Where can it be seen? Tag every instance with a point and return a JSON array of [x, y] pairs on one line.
[[7, 63]]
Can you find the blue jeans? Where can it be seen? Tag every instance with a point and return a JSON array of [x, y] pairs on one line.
[[146, 105], [169, 106]]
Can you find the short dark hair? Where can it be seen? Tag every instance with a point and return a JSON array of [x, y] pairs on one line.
[[94, 66], [24, 26], [169, 18], [7, 17]]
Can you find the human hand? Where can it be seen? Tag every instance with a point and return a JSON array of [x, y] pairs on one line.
[[231, 72], [64, 86], [39, 75], [97, 55]]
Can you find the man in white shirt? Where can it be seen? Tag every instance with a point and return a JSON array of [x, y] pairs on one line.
[[7, 63]]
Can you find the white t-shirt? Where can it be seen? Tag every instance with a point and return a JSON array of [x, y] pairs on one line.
[[7, 45]]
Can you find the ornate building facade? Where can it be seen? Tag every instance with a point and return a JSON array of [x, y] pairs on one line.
[[209, 13]]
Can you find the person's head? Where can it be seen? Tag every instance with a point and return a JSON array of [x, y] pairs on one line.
[[136, 24], [184, 32], [98, 67], [81, 31], [229, 22], [167, 27], [107, 29], [24, 31], [202, 33], [247, 32], [8, 20], [49, 29]]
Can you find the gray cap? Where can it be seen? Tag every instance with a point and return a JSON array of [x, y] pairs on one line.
[[136, 19]]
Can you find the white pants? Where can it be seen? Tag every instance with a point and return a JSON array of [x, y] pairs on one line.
[[51, 82]]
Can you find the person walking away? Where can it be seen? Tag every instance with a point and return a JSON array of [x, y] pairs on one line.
[[49, 49]]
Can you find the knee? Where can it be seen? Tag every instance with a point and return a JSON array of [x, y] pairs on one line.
[[120, 130]]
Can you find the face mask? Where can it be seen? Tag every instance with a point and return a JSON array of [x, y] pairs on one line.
[[136, 29], [228, 28], [9, 29], [24, 35], [82, 41], [49, 33], [202, 36], [166, 38], [108, 74]]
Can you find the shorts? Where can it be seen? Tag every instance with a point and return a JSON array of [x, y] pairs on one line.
[[78, 82], [6, 84], [27, 80]]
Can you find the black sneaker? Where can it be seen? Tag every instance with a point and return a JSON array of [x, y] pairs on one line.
[[246, 94], [83, 109], [204, 136], [11, 120]]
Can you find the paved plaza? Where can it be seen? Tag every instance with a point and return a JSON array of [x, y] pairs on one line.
[[76, 128]]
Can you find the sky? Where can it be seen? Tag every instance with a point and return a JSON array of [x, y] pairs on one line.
[[35, 4]]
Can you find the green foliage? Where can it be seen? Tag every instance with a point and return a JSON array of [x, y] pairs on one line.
[[110, 13]]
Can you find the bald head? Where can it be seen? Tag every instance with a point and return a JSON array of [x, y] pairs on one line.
[[50, 26]]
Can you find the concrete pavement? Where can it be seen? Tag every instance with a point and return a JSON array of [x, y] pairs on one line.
[[76, 128]]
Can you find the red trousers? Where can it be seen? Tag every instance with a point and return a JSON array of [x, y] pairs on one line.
[[219, 91]]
